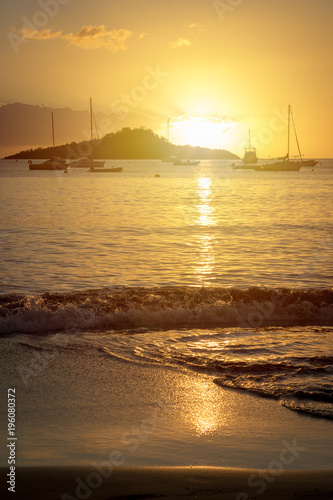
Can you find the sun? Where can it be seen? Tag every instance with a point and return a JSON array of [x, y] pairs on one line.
[[208, 132]]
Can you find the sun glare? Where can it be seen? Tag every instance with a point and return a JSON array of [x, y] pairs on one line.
[[208, 132]]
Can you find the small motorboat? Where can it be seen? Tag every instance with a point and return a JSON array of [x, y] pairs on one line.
[[86, 162], [103, 170], [309, 163]]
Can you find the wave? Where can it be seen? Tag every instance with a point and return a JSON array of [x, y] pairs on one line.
[[164, 307], [319, 410], [292, 365]]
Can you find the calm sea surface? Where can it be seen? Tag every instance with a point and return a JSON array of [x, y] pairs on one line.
[[205, 269], [192, 226]]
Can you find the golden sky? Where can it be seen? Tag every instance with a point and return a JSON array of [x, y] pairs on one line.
[[215, 68]]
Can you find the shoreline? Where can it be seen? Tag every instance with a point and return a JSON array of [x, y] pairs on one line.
[[151, 415], [137, 483]]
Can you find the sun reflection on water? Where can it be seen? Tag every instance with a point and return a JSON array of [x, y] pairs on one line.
[[204, 411], [207, 216], [205, 219], [206, 262]]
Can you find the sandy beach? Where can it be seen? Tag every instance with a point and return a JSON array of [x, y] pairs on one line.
[[175, 483], [155, 432], [81, 404]]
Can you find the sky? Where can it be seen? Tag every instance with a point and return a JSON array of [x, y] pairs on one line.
[[214, 68]]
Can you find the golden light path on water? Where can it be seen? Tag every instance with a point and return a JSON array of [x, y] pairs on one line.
[[206, 217]]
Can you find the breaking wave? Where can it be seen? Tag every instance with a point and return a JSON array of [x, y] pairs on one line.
[[164, 307]]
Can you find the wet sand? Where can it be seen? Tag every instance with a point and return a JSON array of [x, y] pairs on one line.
[[80, 407], [140, 483]]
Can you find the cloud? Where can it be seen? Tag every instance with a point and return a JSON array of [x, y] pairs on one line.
[[96, 37], [88, 37], [142, 35], [40, 35], [192, 29], [181, 42], [196, 26]]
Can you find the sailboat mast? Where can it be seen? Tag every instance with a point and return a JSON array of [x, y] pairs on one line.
[[52, 128], [299, 149], [91, 120], [288, 130], [168, 130]]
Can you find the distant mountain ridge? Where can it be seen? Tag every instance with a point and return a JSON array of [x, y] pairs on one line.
[[24, 126], [137, 143]]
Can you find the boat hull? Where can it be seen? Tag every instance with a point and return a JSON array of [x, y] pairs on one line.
[[86, 164], [309, 163], [105, 170], [48, 165]]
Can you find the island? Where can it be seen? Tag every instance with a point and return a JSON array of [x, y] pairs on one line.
[[127, 143]]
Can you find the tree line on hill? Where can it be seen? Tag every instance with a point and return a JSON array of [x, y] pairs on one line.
[[138, 143]]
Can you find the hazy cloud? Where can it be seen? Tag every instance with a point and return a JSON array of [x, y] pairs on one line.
[[96, 37], [196, 26], [181, 42], [185, 42], [40, 35], [88, 37], [142, 35]]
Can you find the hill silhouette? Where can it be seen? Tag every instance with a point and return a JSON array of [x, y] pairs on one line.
[[26, 126], [127, 143]]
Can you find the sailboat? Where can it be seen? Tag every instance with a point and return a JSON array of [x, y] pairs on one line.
[[249, 159], [55, 163], [250, 154], [87, 161], [284, 164]]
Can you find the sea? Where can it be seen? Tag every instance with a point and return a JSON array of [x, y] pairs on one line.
[[205, 269]]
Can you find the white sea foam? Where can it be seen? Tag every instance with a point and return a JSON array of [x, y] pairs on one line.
[[164, 308]]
